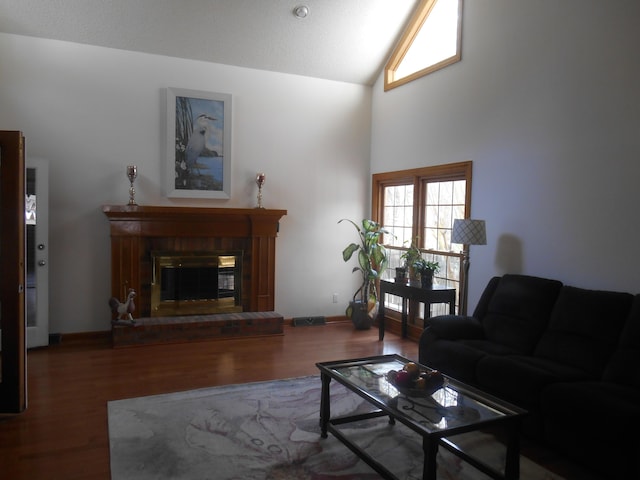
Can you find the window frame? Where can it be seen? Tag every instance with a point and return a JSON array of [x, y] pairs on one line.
[[417, 21], [451, 171], [419, 177]]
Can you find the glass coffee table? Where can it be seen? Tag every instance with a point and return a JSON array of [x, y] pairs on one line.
[[451, 409]]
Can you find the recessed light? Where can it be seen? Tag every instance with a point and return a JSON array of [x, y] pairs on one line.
[[301, 11]]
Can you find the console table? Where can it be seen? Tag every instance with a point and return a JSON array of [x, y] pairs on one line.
[[409, 292]]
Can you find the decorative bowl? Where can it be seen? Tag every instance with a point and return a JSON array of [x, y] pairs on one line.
[[432, 383]]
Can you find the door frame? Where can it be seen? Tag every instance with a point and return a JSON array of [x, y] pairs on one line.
[[13, 385], [38, 335]]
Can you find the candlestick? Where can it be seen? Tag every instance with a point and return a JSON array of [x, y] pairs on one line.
[[260, 179], [132, 173]]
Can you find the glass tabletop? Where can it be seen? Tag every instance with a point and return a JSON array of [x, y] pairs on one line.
[[454, 405]]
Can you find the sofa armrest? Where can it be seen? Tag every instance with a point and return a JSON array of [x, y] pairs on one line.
[[453, 327]]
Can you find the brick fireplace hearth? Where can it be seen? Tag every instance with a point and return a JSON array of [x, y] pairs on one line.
[[137, 231]]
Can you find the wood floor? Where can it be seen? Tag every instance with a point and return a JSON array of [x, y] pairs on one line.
[[63, 434]]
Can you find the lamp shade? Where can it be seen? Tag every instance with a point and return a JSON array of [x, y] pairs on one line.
[[469, 232]]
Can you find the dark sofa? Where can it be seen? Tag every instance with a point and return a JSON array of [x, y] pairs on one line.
[[568, 355]]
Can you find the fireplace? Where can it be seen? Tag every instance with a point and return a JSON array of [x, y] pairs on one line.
[[145, 238], [185, 283]]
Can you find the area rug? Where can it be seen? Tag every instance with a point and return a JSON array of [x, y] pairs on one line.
[[270, 431]]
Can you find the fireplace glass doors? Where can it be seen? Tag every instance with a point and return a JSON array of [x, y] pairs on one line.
[[195, 283]]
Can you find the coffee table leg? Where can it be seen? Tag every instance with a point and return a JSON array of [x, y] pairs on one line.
[[381, 318], [325, 409], [405, 316], [430, 448], [512, 462]]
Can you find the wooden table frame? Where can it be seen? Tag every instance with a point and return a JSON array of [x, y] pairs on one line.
[[408, 292]]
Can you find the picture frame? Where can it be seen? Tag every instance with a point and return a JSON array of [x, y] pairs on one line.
[[198, 144]]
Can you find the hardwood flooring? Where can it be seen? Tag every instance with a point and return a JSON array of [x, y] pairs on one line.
[[63, 433]]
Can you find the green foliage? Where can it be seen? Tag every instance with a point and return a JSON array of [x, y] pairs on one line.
[[412, 255], [184, 126], [372, 258], [422, 264], [414, 260]]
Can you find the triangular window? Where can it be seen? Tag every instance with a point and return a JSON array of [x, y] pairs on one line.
[[430, 42]]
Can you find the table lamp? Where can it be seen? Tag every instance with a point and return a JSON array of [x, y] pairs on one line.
[[467, 232]]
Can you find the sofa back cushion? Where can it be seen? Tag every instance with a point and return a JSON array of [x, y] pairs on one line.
[[623, 365], [483, 304], [585, 327], [519, 311]]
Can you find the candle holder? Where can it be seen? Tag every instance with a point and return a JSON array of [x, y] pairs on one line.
[[132, 173], [260, 179]]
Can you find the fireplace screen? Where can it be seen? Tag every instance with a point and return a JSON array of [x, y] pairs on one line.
[[195, 283]]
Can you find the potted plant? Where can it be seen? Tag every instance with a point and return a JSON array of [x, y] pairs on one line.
[[410, 257], [426, 269], [372, 262], [401, 274]]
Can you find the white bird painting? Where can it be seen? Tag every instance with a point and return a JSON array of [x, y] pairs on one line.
[[200, 133], [198, 140]]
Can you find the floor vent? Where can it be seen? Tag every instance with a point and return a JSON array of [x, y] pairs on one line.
[[308, 321]]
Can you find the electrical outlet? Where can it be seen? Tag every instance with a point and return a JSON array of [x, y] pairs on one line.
[[335, 298]]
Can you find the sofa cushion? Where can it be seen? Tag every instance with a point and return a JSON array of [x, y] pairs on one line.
[[615, 408], [623, 365], [458, 358], [483, 303], [520, 379], [584, 328], [454, 327], [519, 311], [576, 414]]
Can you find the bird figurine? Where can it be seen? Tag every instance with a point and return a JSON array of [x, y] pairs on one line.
[[124, 310], [198, 140]]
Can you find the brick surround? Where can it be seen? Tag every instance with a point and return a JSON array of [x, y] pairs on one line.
[[159, 330]]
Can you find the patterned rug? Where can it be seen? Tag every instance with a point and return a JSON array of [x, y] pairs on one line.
[[270, 431]]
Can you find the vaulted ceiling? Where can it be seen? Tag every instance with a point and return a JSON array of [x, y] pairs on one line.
[[343, 40]]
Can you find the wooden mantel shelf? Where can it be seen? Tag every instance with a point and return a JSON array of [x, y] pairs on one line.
[[138, 230], [192, 221]]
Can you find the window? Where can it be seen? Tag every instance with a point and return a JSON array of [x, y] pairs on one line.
[[430, 42], [421, 205]]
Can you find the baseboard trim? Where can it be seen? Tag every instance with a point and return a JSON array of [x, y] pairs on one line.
[[80, 338], [308, 321]]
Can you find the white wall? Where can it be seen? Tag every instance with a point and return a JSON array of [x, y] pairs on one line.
[[91, 111], [546, 103]]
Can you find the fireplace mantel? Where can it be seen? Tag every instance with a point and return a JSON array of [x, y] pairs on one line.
[[190, 221], [138, 230]]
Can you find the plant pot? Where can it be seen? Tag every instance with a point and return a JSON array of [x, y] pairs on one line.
[[426, 279], [414, 277], [401, 275], [362, 316]]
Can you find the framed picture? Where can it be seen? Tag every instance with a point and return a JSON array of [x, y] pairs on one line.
[[198, 144]]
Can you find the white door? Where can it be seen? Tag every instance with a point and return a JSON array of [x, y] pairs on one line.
[[37, 252]]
